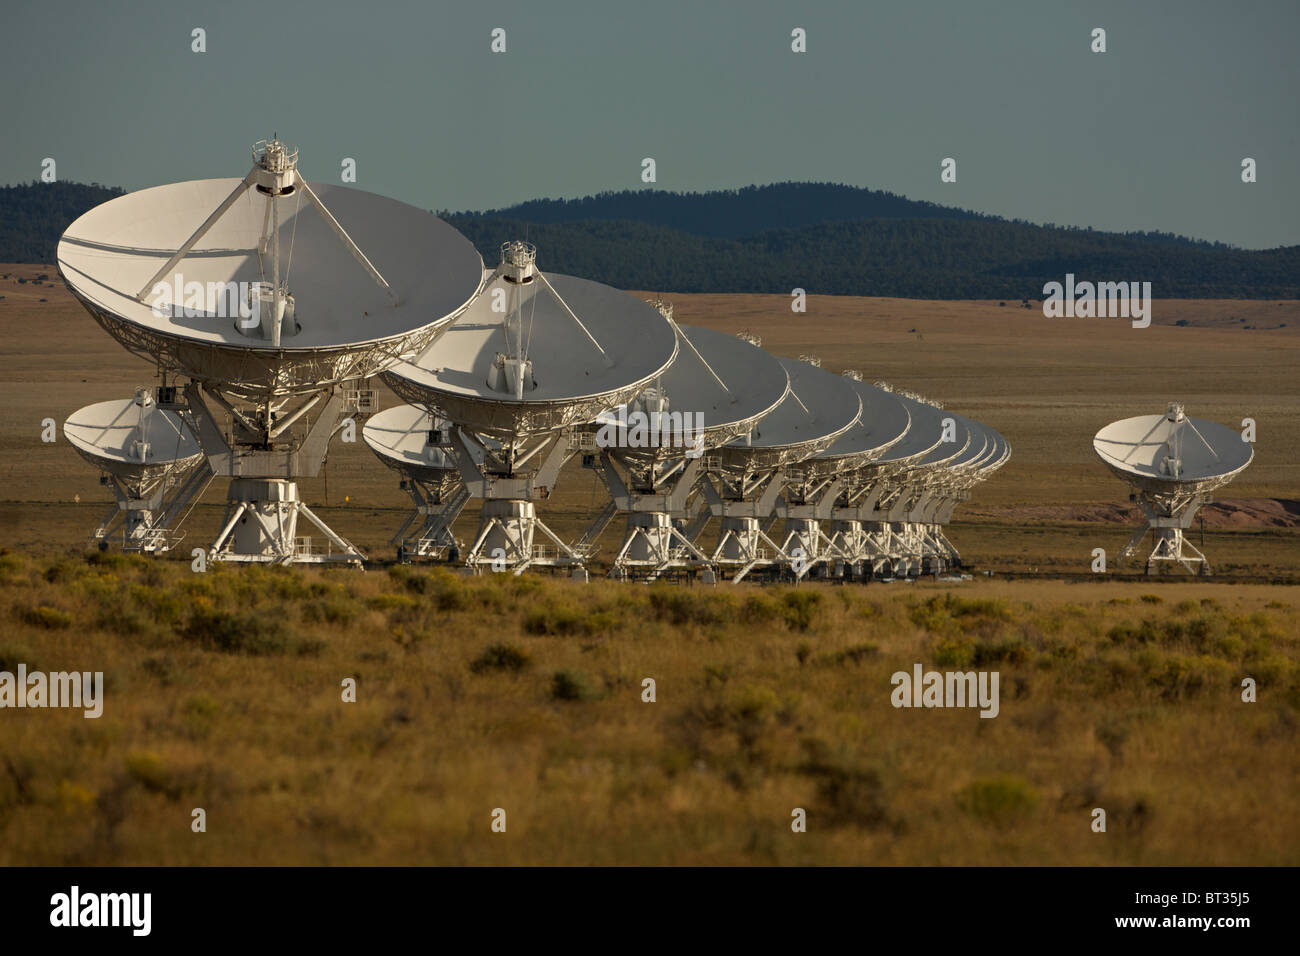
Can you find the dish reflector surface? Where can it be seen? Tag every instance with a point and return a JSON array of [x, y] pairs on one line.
[[107, 254], [107, 435], [570, 382], [1172, 449]]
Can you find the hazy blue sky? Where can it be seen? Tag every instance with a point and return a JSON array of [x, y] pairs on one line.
[[1149, 135]]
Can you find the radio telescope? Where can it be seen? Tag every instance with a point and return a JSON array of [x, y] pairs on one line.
[[997, 453], [411, 441], [1173, 463], [815, 485], [862, 532], [530, 360], [274, 298], [748, 473], [940, 485], [152, 461], [649, 453]]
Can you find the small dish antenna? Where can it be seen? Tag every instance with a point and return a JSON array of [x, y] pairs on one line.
[[1173, 463]]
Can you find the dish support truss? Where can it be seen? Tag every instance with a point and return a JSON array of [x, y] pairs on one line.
[[509, 480], [744, 501], [1168, 515], [427, 531], [807, 501], [880, 524], [151, 507], [656, 494], [264, 454]]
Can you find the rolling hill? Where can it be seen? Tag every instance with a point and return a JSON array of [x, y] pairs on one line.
[[822, 237]]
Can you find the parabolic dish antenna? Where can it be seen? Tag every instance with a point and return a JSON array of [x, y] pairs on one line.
[[924, 433], [413, 442], [722, 382], [751, 472], [884, 421], [274, 297], [996, 454], [1172, 462], [1160, 452], [532, 357], [648, 452], [878, 494], [151, 460], [362, 278], [820, 407], [816, 484], [131, 438], [400, 438]]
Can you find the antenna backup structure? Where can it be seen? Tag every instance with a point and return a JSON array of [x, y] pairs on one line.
[[195, 277], [1173, 463], [516, 374]]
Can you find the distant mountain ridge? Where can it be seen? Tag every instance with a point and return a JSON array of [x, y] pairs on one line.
[[745, 212], [34, 215], [821, 237]]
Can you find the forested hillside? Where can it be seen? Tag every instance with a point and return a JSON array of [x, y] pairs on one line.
[[821, 237]]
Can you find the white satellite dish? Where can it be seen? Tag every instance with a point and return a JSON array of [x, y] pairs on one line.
[[816, 484], [650, 452], [749, 473], [152, 461], [1173, 462], [353, 311], [531, 358], [275, 298], [875, 499], [416, 444], [948, 486]]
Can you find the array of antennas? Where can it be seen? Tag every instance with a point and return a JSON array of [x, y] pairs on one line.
[[503, 440], [907, 393]]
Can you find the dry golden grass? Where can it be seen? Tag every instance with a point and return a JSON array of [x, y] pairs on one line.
[[525, 694]]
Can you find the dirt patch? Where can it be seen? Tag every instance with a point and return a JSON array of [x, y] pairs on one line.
[[1224, 513]]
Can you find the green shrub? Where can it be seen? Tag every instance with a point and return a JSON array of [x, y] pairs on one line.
[[46, 617], [686, 608], [501, 657], [571, 685], [857, 653], [201, 706], [11, 655], [800, 607], [554, 620], [954, 653], [1001, 800], [254, 633]]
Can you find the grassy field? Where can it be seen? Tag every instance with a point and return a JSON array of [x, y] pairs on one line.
[[223, 692]]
